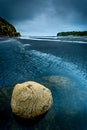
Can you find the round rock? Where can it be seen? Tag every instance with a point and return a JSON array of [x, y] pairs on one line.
[[30, 99]]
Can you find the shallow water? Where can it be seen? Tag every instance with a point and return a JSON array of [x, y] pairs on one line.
[[58, 63]]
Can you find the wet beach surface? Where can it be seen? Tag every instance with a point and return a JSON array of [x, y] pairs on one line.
[[60, 65]]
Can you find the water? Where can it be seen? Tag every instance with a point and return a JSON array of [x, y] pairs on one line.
[[59, 63]]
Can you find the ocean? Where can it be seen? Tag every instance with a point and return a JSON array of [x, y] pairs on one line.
[[60, 64]]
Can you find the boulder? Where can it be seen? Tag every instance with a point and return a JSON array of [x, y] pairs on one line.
[[30, 100]]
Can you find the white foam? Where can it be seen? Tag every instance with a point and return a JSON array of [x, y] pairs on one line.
[[7, 40], [24, 37], [25, 45], [41, 39], [56, 39], [74, 41]]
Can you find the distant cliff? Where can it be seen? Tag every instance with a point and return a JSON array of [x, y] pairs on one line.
[[7, 29], [73, 33]]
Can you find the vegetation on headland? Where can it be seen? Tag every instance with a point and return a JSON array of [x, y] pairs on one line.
[[7, 29], [73, 33]]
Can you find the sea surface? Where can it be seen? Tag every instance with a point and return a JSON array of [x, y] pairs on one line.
[[59, 63]]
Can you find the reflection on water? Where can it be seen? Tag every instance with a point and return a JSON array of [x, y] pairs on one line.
[[60, 66], [58, 81]]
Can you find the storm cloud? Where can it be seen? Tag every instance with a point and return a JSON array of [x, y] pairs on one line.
[[45, 15], [21, 9], [71, 8]]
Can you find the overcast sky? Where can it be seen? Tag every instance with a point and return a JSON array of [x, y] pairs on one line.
[[45, 17]]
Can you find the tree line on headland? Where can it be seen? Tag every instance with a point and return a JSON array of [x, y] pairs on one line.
[[7, 29], [73, 33]]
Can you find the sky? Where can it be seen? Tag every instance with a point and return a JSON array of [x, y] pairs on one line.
[[45, 17]]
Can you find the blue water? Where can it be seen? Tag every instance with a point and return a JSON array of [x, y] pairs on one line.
[[58, 63]]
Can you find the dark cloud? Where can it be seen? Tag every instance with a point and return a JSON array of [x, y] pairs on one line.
[[21, 9], [26, 9], [71, 8]]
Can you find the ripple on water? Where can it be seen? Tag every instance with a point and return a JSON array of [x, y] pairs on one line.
[[66, 81], [57, 65]]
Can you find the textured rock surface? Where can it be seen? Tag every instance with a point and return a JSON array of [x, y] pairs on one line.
[[30, 99]]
